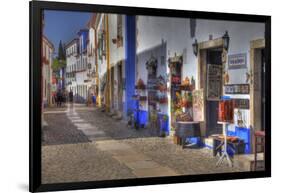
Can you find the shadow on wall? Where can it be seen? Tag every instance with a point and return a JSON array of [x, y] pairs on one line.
[[159, 52]]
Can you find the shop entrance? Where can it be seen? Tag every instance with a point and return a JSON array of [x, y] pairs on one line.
[[259, 86], [214, 58], [120, 89], [262, 89], [257, 90], [211, 55], [175, 64]]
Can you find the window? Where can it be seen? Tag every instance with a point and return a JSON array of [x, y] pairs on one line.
[[101, 44], [43, 52]]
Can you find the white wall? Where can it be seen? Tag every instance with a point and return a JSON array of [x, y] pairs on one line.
[[91, 46], [176, 32], [153, 32], [102, 64], [116, 53], [240, 33]]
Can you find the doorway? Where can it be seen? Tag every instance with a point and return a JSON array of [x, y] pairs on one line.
[[112, 87], [214, 61], [263, 89], [257, 90], [175, 82], [120, 89]]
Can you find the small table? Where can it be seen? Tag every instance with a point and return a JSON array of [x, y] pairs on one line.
[[187, 129], [224, 153]]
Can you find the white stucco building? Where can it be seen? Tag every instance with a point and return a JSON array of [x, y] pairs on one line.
[[71, 64], [76, 66]]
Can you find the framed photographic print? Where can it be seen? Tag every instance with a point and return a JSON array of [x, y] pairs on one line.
[[111, 96]]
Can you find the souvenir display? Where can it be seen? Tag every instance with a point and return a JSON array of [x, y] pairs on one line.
[[226, 111]]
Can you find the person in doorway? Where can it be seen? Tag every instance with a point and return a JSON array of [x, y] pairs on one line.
[[64, 97], [59, 98], [53, 98]]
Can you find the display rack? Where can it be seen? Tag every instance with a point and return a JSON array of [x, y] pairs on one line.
[[224, 154]]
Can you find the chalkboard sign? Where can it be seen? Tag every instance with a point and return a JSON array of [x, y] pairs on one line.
[[214, 82], [237, 61]]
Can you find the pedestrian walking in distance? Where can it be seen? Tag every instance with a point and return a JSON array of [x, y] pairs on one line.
[[94, 100], [70, 95], [59, 98]]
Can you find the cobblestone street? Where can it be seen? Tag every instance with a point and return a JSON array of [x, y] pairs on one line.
[[84, 144]]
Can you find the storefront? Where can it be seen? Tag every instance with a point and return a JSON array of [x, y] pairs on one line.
[[218, 60]]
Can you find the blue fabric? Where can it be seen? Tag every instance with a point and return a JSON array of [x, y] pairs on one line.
[[165, 123], [94, 99], [245, 135]]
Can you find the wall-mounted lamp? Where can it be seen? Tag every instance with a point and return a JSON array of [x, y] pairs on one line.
[[195, 47], [225, 38]]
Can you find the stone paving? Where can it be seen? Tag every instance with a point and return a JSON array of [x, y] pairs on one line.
[[112, 128], [58, 129], [185, 161], [80, 162], [141, 165], [84, 144]]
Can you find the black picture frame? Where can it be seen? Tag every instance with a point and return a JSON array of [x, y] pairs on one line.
[[35, 10]]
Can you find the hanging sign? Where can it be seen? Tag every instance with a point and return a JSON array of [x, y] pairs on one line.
[[241, 103], [237, 61], [237, 89]]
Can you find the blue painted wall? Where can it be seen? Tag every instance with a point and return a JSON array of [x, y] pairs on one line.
[[130, 63], [84, 34]]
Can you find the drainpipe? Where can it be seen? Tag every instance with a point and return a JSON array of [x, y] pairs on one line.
[[97, 69], [108, 65]]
